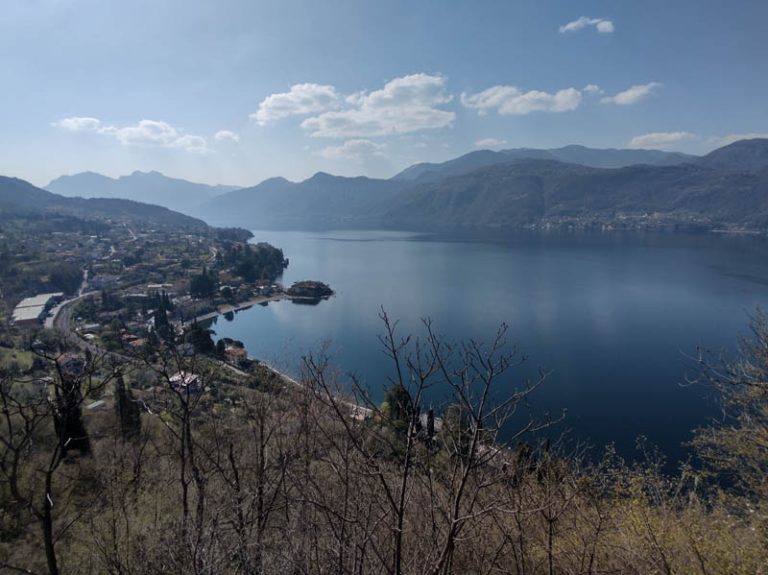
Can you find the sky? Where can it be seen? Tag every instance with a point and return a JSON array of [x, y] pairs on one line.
[[237, 91]]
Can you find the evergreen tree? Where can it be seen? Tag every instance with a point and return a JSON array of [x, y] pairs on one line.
[[68, 418], [128, 411], [200, 338], [399, 405]]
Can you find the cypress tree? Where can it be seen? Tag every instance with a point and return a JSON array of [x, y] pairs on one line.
[[128, 411]]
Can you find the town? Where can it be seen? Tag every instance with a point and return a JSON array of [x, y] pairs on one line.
[[126, 288]]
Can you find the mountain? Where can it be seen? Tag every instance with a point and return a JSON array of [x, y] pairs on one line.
[[544, 193], [573, 154], [148, 187], [728, 187], [323, 200], [18, 197], [742, 156]]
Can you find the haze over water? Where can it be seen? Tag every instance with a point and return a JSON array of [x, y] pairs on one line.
[[611, 317]]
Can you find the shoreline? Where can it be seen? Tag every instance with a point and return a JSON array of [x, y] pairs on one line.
[[358, 412], [229, 308]]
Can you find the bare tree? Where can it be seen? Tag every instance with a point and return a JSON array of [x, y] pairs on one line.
[[31, 456]]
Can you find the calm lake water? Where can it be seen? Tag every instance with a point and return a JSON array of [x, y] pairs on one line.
[[612, 317]]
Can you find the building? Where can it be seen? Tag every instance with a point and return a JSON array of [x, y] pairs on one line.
[[31, 311], [185, 381]]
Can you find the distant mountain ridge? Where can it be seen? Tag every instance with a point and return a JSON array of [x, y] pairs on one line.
[[20, 197], [573, 154], [148, 187], [484, 189]]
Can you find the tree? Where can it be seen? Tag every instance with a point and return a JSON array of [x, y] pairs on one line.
[[203, 285], [735, 448], [461, 488], [200, 338], [30, 459], [128, 411], [398, 405]]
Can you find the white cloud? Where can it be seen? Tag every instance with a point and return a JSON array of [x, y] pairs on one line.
[[146, 133], [659, 140], [602, 25], [632, 95], [78, 124], [489, 143], [592, 89], [301, 99], [720, 141], [353, 149], [226, 136], [509, 100], [404, 105], [193, 144]]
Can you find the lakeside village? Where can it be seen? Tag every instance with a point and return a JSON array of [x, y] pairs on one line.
[[128, 292]]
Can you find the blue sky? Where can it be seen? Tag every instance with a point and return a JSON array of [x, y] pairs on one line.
[[235, 91]]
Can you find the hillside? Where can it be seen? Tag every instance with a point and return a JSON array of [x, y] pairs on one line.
[[323, 200], [535, 193], [573, 154], [728, 187], [20, 197], [148, 187], [741, 156]]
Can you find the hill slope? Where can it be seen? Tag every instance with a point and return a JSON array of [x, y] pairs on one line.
[[147, 187], [20, 197], [607, 158], [728, 187], [322, 200]]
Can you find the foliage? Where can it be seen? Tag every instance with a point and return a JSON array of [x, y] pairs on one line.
[[66, 277], [736, 447], [254, 261], [218, 481], [203, 285], [200, 338]]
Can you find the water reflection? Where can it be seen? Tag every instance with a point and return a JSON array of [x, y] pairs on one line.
[[609, 315]]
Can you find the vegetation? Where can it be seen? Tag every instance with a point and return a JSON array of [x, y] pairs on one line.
[[254, 262], [203, 285], [250, 474], [570, 188]]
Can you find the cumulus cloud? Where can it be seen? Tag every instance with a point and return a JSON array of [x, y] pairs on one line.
[[146, 133], [404, 105], [78, 124], [592, 89], [489, 143], [602, 25], [353, 150], [301, 99], [193, 144], [632, 95], [509, 100], [226, 136], [659, 140]]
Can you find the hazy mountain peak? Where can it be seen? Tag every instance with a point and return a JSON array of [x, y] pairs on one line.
[[149, 187], [319, 176], [741, 156]]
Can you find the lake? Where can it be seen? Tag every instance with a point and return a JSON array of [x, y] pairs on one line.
[[613, 317]]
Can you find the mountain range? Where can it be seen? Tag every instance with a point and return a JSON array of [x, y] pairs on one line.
[[573, 154], [20, 198], [523, 188], [573, 186], [148, 187]]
